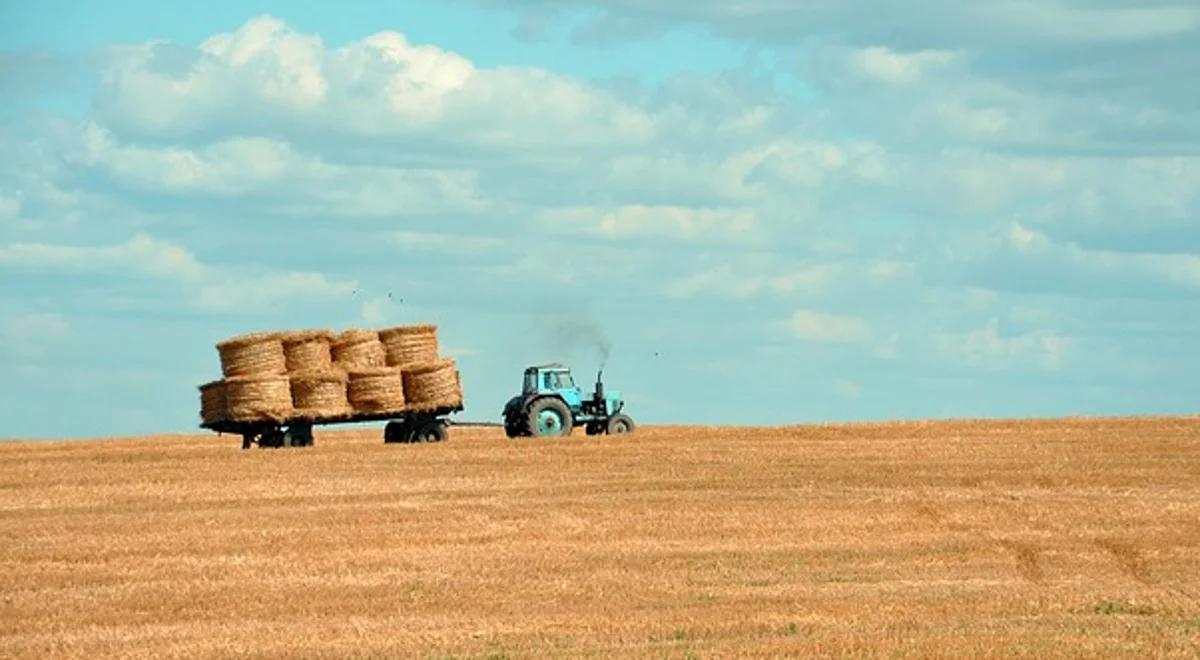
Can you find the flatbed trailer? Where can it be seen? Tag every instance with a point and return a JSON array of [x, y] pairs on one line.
[[418, 425]]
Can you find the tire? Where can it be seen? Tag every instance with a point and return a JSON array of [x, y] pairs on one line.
[[548, 417], [595, 428], [273, 437], [620, 424], [396, 432], [299, 435], [432, 431]]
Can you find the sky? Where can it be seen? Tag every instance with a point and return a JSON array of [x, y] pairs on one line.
[[772, 212]]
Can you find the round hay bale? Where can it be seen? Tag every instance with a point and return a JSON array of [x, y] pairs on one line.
[[377, 390], [213, 407], [256, 354], [410, 345], [354, 350], [258, 398], [320, 394], [432, 385], [307, 350]]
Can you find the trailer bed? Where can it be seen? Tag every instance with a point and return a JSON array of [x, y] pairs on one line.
[[296, 430]]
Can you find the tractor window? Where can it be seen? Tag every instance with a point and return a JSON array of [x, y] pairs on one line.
[[530, 382], [565, 381]]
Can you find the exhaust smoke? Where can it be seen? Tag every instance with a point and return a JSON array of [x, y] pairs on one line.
[[574, 334]]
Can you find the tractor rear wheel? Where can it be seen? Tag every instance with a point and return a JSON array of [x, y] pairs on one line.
[[548, 417], [618, 424]]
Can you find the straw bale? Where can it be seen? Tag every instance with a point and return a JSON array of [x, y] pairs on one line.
[[358, 349], [320, 394], [307, 350], [410, 345], [258, 398], [256, 354], [377, 390], [213, 407], [433, 385]]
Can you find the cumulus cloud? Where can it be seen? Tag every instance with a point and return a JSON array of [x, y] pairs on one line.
[[811, 325], [988, 347], [213, 287], [381, 85], [895, 68]]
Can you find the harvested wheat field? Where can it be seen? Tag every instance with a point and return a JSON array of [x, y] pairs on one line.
[[1022, 538]]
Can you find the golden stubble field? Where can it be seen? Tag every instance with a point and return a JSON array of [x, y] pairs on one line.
[[1006, 538]]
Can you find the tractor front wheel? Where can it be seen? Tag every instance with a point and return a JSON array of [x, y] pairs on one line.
[[618, 424], [549, 417]]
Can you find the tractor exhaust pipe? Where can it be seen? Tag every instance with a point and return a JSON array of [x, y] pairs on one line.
[[600, 385]]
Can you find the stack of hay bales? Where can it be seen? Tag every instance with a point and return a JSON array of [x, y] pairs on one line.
[[319, 375], [256, 384]]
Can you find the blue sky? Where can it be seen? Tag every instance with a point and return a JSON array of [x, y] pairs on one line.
[[773, 212]]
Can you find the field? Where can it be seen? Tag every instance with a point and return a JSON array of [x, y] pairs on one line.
[[1007, 538]]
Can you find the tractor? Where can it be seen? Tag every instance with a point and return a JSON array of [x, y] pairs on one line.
[[550, 404]]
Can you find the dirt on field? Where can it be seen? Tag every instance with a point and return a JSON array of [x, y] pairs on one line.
[[1007, 538]]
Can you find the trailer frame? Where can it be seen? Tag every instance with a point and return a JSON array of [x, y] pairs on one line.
[[403, 426]]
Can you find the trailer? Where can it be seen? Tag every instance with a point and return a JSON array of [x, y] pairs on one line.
[[417, 425]]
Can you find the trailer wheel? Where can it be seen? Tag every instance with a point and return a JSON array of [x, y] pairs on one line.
[[595, 428], [618, 424], [272, 437], [432, 431], [397, 432], [298, 435], [247, 440]]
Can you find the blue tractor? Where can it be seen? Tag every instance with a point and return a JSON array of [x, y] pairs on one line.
[[551, 404]]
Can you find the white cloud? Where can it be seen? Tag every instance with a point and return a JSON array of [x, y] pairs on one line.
[[32, 335], [726, 281], [377, 86], [1107, 266], [10, 208], [987, 347], [675, 223], [816, 326], [140, 254], [444, 243], [897, 68], [212, 287], [269, 171]]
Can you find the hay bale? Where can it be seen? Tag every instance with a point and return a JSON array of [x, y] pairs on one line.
[[432, 385], [410, 345], [213, 407], [355, 350], [258, 398], [307, 350], [320, 394], [377, 390], [256, 354]]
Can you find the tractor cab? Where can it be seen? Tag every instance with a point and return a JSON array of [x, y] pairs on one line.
[[551, 403]]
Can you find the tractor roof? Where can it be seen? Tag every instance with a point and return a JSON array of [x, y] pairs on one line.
[[551, 366]]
